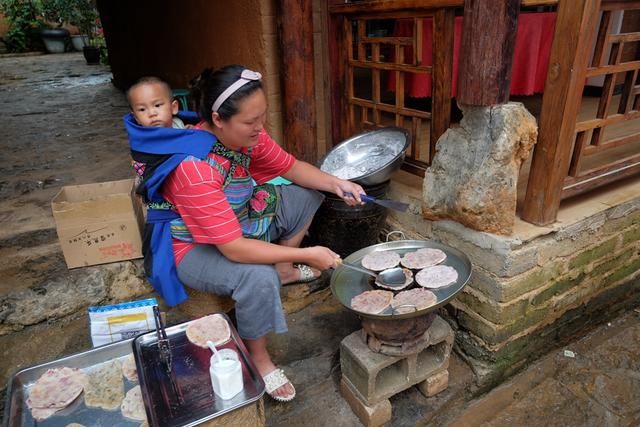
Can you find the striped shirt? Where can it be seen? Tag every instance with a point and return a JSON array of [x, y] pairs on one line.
[[195, 188]]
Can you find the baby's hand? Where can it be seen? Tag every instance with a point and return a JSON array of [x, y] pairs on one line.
[[189, 126]]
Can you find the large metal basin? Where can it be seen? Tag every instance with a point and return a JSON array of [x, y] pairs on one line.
[[368, 158], [347, 283]]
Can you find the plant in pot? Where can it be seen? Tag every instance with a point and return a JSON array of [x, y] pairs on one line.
[[84, 17], [55, 14]]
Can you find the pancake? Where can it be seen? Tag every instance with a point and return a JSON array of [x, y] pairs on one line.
[[105, 388], [423, 258], [129, 369], [133, 406], [212, 328], [380, 260], [419, 298], [372, 302], [437, 276], [409, 280], [56, 389]]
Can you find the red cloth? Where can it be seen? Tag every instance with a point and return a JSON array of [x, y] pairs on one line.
[[530, 60]]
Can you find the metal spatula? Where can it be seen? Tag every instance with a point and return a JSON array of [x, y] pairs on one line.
[[392, 277], [391, 204]]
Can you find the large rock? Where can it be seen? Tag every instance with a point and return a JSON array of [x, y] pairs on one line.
[[68, 292], [474, 175]]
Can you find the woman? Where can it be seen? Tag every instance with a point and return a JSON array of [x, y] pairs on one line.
[[239, 240]]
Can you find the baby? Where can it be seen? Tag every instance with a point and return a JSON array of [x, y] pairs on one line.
[[152, 104]]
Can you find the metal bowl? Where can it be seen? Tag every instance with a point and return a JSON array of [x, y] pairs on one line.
[[368, 158]]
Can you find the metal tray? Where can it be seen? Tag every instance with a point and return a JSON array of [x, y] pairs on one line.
[[190, 368], [16, 412], [347, 283]]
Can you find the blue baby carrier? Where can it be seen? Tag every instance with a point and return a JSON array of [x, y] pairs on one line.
[[162, 150]]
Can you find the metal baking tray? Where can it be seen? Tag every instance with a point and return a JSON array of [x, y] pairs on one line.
[[347, 283], [17, 413], [190, 370]]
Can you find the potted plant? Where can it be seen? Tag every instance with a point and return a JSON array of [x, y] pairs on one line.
[[84, 17], [55, 14]]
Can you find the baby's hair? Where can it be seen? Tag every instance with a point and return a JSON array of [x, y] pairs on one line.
[[208, 86], [146, 80]]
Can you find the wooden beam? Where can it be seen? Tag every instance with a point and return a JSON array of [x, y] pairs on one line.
[[573, 40], [397, 5], [295, 27], [486, 52]]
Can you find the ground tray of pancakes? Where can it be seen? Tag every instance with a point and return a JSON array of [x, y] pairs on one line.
[[61, 391]]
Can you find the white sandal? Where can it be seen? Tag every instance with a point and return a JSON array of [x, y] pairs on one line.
[[273, 381], [306, 274]]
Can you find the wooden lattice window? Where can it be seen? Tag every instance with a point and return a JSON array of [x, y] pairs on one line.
[[607, 142], [385, 61]]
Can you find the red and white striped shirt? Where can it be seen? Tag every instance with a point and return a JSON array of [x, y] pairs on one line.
[[195, 188]]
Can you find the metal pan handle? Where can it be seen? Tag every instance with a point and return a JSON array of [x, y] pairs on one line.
[[401, 233], [394, 309]]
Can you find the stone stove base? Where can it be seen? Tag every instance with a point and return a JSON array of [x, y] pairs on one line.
[[369, 379]]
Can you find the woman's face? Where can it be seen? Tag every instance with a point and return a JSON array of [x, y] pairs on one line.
[[243, 128]]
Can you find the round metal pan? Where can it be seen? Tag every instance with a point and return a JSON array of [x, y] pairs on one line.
[[347, 283]]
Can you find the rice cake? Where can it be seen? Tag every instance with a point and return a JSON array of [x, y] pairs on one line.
[[129, 369], [408, 274], [380, 260], [43, 413], [423, 258], [55, 390], [105, 388], [212, 328], [132, 406], [372, 302], [437, 276], [413, 300]]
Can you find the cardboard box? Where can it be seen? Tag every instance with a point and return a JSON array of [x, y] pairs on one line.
[[98, 223]]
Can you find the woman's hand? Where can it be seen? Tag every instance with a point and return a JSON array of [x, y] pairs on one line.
[[321, 257], [306, 175], [354, 190]]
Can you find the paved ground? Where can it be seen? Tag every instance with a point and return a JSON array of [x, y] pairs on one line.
[[62, 125]]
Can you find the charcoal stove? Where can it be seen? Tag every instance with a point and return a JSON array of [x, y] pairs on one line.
[[394, 351], [397, 337]]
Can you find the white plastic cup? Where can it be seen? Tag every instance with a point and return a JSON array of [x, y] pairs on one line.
[[226, 373]]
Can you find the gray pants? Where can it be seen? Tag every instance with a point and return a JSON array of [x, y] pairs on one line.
[[255, 288]]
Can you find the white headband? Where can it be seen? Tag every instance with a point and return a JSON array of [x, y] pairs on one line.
[[245, 77]]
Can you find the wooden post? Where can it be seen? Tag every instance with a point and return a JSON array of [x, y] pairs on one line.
[[337, 61], [486, 52], [443, 30], [295, 26], [572, 44]]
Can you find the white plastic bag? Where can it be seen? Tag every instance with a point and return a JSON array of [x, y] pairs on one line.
[[111, 323]]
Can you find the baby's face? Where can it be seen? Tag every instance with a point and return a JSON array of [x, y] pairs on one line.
[[151, 105]]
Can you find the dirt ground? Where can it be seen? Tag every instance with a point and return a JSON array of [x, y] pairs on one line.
[[61, 126]]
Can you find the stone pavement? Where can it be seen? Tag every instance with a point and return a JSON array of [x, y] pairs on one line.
[[62, 125]]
